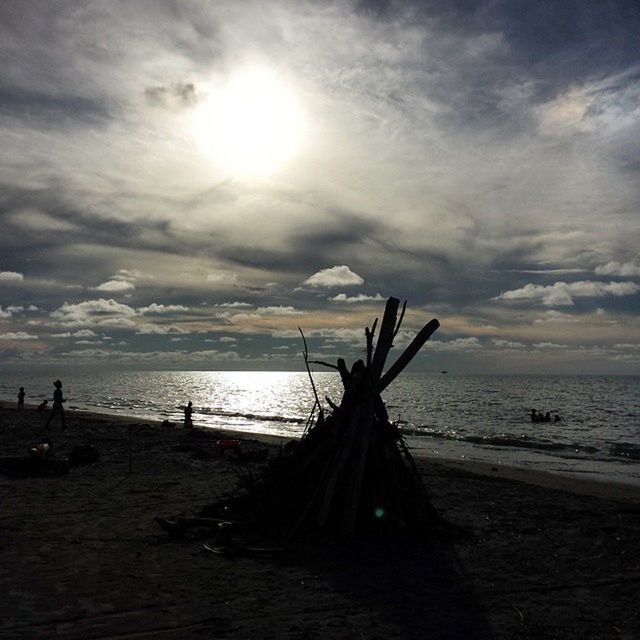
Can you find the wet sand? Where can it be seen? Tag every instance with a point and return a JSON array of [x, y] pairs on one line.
[[82, 556]]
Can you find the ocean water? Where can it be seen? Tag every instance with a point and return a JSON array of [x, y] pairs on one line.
[[467, 417]]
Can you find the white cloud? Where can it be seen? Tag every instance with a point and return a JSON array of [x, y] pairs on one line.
[[508, 344], [161, 308], [566, 113], [11, 276], [131, 274], [9, 311], [279, 311], [80, 333], [555, 316], [563, 293], [242, 318], [459, 344], [228, 339], [618, 269], [233, 305], [169, 357], [338, 276], [550, 345], [343, 297], [115, 286], [338, 335], [157, 329], [17, 335], [222, 278], [101, 312]]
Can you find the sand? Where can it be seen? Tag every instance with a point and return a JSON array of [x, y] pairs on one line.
[[82, 557]]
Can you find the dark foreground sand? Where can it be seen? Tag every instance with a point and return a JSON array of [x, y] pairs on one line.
[[82, 557]]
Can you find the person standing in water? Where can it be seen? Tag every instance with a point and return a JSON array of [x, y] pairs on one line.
[[57, 409], [188, 410], [21, 395]]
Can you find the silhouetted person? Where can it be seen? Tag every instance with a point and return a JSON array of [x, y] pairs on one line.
[[557, 418], [21, 395], [57, 409], [42, 406], [547, 417], [188, 410], [534, 415]]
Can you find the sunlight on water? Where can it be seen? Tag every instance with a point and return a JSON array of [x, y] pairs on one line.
[[475, 417]]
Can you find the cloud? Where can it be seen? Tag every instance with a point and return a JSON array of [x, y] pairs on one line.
[[17, 335], [141, 357], [563, 293], [160, 309], [407, 101], [338, 276], [156, 329], [360, 298], [228, 339], [10, 311], [459, 344], [81, 333], [115, 286], [339, 335], [566, 113], [279, 311], [176, 96], [554, 316], [233, 305], [101, 312], [550, 345], [11, 276], [508, 344], [618, 269]]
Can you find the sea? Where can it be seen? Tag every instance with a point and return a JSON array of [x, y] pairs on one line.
[[466, 417]]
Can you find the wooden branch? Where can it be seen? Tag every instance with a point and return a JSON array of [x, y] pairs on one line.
[[306, 363], [332, 404], [385, 339], [409, 353], [324, 364], [404, 308], [369, 333], [344, 372]]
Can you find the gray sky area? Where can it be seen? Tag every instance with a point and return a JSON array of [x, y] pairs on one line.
[[184, 183]]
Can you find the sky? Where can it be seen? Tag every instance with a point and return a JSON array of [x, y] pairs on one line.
[[185, 183]]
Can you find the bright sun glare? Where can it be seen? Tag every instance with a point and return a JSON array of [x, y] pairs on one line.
[[252, 124]]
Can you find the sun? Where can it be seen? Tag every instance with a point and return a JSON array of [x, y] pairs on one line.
[[252, 124]]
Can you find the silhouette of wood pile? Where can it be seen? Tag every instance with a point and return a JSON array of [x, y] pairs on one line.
[[351, 473]]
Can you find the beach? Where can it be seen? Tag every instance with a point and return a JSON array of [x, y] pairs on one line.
[[83, 557]]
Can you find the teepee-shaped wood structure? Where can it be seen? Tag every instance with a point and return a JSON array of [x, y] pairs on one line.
[[352, 473]]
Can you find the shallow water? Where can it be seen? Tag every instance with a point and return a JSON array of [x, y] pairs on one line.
[[472, 417]]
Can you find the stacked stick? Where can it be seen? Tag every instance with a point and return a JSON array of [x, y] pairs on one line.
[[352, 473]]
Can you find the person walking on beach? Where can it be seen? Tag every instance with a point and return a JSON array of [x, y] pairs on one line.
[[188, 410], [57, 409], [21, 395]]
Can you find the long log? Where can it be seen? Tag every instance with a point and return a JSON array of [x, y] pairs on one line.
[[409, 353], [385, 339]]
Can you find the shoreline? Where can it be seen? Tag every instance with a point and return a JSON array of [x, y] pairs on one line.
[[578, 484]]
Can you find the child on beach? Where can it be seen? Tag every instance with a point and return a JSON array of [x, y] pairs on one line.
[[21, 395], [188, 410], [57, 408]]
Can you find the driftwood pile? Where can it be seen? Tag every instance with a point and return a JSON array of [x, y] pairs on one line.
[[351, 473]]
